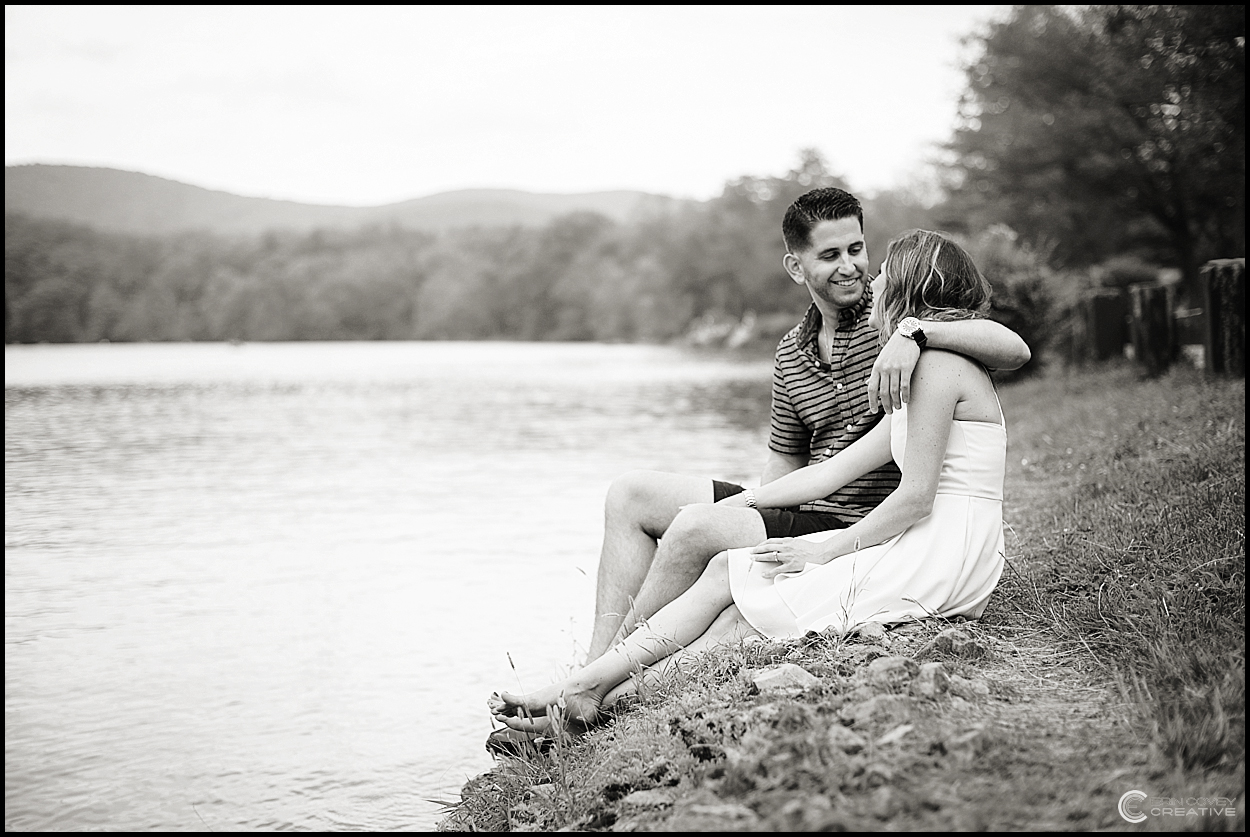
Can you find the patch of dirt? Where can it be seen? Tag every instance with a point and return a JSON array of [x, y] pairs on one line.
[[932, 727], [1016, 742]]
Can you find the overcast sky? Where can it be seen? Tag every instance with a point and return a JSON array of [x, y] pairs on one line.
[[366, 106]]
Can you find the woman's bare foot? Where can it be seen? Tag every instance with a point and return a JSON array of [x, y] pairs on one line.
[[539, 711], [529, 705]]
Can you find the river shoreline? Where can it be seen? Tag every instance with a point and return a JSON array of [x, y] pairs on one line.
[[1075, 689]]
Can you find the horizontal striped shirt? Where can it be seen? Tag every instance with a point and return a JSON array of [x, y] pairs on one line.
[[821, 408]]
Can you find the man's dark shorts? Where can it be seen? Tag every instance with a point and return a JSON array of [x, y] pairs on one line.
[[783, 523]]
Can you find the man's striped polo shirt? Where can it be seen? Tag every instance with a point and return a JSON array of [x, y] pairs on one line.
[[820, 409]]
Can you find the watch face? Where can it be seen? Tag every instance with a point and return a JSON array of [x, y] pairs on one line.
[[908, 326]]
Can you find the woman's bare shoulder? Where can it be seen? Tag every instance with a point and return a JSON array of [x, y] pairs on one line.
[[939, 379], [952, 376]]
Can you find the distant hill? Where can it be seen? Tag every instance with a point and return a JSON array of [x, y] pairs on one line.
[[130, 202]]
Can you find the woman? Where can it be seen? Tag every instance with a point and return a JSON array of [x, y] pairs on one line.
[[934, 547]]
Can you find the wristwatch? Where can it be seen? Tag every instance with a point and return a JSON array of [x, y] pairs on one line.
[[910, 328]]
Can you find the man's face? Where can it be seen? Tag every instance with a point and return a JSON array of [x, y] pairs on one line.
[[835, 265]]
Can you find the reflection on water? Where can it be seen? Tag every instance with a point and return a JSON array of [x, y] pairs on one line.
[[270, 586]]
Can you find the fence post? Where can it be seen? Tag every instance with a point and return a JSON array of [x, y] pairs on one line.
[[1106, 324], [1153, 328], [1224, 299]]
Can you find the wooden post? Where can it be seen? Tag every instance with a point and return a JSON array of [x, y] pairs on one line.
[[1224, 301], [1153, 327], [1106, 324]]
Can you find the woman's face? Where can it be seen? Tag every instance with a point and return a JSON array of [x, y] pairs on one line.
[[878, 299]]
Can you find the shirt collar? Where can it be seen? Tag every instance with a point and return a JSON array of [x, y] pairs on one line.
[[847, 318]]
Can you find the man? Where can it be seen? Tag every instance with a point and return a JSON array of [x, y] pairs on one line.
[[660, 530]]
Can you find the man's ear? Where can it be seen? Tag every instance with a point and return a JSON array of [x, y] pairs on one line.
[[793, 267]]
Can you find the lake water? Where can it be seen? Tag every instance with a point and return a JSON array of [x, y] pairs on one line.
[[270, 586]]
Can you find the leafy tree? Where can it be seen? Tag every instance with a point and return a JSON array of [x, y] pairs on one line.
[[729, 259], [547, 292], [1104, 129], [890, 213], [1028, 293]]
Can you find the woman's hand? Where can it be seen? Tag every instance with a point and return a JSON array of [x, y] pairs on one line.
[[734, 501], [786, 555]]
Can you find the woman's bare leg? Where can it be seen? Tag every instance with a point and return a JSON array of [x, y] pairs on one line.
[[696, 534], [674, 627], [728, 629]]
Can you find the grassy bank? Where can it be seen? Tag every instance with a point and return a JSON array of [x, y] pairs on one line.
[[1111, 659], [1129, 509]]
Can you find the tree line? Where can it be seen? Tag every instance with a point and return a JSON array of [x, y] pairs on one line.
[[1096, 145], [580, 277]]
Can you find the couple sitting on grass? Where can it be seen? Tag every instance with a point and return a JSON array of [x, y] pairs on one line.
[[840, 538]]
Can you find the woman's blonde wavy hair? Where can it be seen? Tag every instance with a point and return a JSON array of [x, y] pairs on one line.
[[930, 277]]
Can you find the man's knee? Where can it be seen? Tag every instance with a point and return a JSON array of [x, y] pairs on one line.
[[650, 499], [632, 490], [693, 521], [710, 528]]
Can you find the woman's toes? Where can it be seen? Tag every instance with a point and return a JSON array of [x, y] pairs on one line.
[[503, 704]]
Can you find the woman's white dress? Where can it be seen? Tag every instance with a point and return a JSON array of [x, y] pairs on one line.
[[946, 564]]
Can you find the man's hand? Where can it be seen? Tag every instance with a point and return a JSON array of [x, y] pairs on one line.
[[786, 555], [889, 384]]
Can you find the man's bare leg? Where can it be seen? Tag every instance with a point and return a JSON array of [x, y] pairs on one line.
[[639, 508], [581, 694], [695, 536], [730, 628]]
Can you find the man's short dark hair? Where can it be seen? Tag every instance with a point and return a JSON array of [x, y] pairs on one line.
[[813, 207]]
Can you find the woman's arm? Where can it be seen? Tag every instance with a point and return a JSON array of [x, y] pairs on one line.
[[940, 380], [812, 482], [780, 464]]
